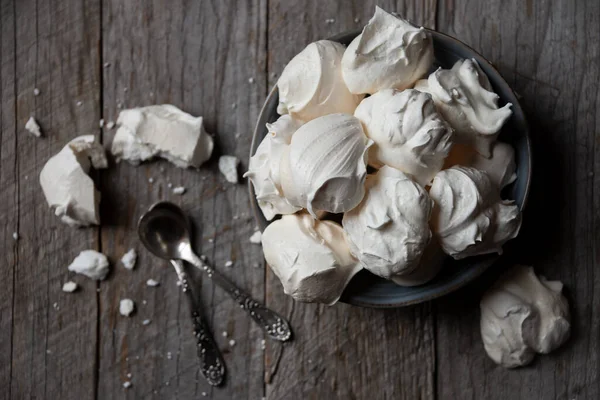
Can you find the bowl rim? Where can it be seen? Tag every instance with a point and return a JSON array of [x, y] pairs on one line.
[[476, 270]]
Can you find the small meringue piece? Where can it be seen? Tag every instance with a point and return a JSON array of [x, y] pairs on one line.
[[501, 167], [68, 188], [152, 283], [409, 134], [389, 230], [311, 258], [129, 259], [69, 287], [228, 167], [522, 315], [161, 131], [180, 190], [469, 218], [263, 170], [311, 84], [126, 307], [390, 53], [90, 263], [256, 237], [464, 97], [33, 127], [326, 165]]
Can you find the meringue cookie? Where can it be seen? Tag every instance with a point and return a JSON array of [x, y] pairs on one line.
[[522, 315], [501, 167], [430, 265], [311, 84], [68, 188], [263, 170], [464, 97], [325, 166], [469, 218], [389, 230], [408, 132], [311, 258], [161, 131], [389, 53]]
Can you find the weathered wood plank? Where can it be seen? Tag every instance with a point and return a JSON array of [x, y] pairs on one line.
[[8, 190], [343, 351], [54, 333], [545, 50], [200, 57]]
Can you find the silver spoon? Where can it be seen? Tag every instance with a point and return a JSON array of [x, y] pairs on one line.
[[212, 365], [165, 232]]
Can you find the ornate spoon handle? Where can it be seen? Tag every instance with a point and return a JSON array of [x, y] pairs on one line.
[[273, 324], [212, 365]]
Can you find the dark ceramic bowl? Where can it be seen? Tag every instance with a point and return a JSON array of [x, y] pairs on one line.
[[369, 290]]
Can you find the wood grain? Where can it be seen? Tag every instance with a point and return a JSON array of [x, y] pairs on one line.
[[208, 58], [53, 333], [342, 351], [545, 52]]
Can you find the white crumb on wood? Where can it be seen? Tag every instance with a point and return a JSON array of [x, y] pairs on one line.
[[229, 263], [179, 190], [152, 282], [256, 237], [69, 287], [126, 307], [228, 167], [33, 127], [129, 259]]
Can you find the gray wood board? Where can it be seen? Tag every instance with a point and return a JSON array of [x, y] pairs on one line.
[[53, 335], [208, 58], [546, 51], [342, 351]]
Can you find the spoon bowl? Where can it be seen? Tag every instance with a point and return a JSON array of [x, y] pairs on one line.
[[164, 230]]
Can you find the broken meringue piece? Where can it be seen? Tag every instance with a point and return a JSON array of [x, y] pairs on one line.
[[129, 259], [311, 258], [69, 287], [161, 131], [228, 167], [33, 127], [311, 84], [325, 166], [390, 53], [522, 315], [389, 230], [409, 134], [469, 218], [90, 263], [263, 170], [126, 307], [66, 185], [465, 98], [501, 167]]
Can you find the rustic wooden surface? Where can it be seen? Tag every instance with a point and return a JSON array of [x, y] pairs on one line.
[[201, 56]]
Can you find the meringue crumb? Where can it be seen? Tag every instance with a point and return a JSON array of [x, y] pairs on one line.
[[256, 237], [126, 307], [15, 236], [210, 240], [204, 394], [225, 334], [144, 302], [228, 167], [179, 190], [69, 287], [79, 103], [129, 375], [150, 180], [119, 105], [126, 384], [229, 263], [110, 125], [169, 185], [330, 20], [33, 127], [233, 106], [56, 307], [256, 265], [36, 92], [146, 322], [152, 282], [169, 355], [202, 257], [106, 64], [129, 259], [101, 123], [251, 80], [232, 343], [263, 344], [357, 20]]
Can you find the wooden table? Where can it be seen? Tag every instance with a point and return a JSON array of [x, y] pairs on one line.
[[218, 59]]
